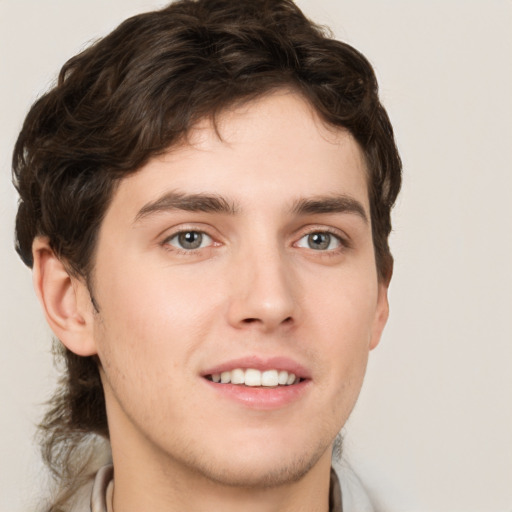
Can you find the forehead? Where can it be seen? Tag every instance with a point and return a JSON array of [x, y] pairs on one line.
[[273, 148], [281, 108]]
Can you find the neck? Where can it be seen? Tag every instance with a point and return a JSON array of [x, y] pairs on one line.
[[175, 488], [151, 483]]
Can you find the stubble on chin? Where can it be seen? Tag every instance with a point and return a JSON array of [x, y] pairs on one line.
[[255, 477]]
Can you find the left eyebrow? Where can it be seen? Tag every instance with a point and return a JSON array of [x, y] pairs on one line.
[[330, 204], [188, 202]]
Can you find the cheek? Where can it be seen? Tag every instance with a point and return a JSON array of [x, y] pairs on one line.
[[346, 313], [348, 351], [345, 318], [153, 318], [144, 299]]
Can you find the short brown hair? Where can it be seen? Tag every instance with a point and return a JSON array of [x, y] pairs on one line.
[[138, 91]]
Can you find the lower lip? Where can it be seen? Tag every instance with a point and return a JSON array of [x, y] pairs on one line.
[[262, 398]]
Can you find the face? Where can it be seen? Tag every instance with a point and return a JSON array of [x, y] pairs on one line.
[[246, 258]]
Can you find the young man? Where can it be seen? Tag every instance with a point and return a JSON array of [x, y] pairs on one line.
[[205, 202]]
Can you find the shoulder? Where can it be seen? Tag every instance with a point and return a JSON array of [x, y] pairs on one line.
[[354, 496], [92, 496]]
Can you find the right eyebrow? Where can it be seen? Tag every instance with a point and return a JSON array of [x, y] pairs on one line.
[[330, 204], [188, 202]]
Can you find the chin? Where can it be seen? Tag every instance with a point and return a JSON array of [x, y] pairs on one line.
[[260, 466], [260, 475]]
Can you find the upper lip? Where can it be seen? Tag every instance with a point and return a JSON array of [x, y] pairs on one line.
[[262, 364]]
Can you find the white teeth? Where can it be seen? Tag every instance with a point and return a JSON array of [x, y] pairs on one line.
[[269, 378], [282, 378], [252, 377], [238, 376]]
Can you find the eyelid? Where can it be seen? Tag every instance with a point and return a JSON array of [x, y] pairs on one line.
[[209, 240], [175, 231], [340, 235]]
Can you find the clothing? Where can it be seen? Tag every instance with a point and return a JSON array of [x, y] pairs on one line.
[[355, 497], [346, 492]]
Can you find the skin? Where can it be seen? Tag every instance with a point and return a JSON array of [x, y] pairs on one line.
[[255, 287]]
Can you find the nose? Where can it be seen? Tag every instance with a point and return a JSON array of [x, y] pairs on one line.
[[264, 293]]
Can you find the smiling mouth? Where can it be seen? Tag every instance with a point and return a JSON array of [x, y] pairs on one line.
[[251, 377]]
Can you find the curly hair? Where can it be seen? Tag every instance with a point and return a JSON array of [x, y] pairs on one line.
[[138, 91]]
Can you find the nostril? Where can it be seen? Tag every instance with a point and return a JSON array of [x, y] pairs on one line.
[[250, 320], [287, 320]]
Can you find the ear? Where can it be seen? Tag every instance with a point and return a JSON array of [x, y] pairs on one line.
[[381, 313], [65, 300]]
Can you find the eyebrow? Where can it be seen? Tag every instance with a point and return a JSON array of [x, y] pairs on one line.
[[330, 204], [211, 203], [208, 203]]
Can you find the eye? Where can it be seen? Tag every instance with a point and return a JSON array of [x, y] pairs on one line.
[[189, 240], [320, 241]]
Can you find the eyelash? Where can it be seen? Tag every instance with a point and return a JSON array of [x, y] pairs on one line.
[[344, 243], [167, 245]]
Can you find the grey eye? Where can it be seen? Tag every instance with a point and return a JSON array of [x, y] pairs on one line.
[[319, 241], [190, 240]]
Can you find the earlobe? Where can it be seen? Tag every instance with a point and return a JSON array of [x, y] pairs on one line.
[[381, 314], [65, 300]]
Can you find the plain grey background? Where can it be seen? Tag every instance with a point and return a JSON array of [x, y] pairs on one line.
[[432, 430]]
